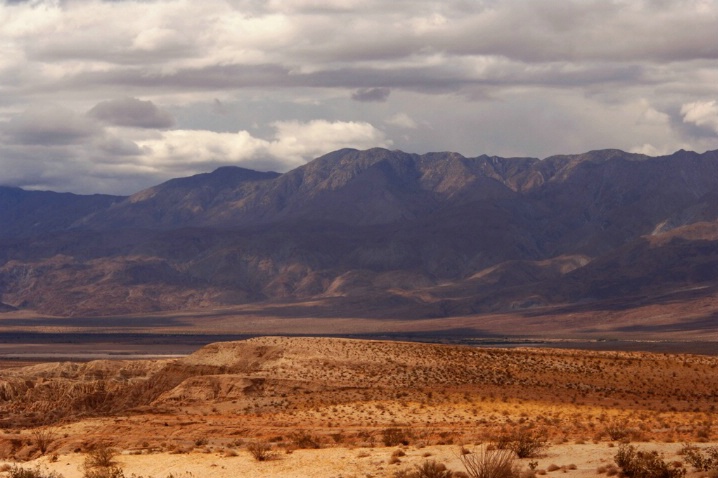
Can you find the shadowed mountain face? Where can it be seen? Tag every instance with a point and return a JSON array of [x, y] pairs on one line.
[[378, 232]]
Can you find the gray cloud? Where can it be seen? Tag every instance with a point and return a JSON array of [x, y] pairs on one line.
[[133, 113], [371, 94], [49, 125]]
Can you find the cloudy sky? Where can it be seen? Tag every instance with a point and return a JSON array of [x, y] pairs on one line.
[[115, 96]]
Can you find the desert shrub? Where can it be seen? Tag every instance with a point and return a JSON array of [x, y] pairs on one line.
[[643, 464], [16, 472], [394, 436], [42, 439], [524, 442], [110, 472], [431, 469], [100, 463], [494, 463], [617, 431], [102, 456], [261, 451], [304, 439], [702, 460]]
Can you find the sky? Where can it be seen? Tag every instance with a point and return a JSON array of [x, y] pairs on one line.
[[116, 96]]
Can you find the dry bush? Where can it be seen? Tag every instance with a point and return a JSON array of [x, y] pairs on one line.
[[261, 451], [702, 460], [524, 442], [36, 472], [617, 431], [428, 469], [394, 436], [102, 456], [487, 463], [643, 464], [111, 472], [42, 438], [304, 439]]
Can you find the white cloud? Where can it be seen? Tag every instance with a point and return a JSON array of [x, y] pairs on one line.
[[701, 113], [401, 120], [293, 144]]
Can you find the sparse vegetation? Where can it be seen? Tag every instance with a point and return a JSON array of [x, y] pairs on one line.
[[705, 459], [37, 472], [363, 395]]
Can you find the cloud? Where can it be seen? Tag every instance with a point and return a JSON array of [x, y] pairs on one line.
[[401, 120], [506, 77], [293, 144], [132, 112], [701, 113], [49, 124], [52, 147], [371, 94]]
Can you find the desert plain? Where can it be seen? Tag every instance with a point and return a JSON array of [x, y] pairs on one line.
[[323, 406]]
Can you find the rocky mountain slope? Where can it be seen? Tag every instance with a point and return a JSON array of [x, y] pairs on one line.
[[376, 232]]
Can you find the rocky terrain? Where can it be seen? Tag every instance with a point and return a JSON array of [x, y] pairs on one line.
[[345, 406], [378, 233]]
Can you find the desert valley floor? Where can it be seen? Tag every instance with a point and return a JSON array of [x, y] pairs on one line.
[[346, 408]]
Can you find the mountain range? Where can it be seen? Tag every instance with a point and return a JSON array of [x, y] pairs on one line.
[[376, 233]]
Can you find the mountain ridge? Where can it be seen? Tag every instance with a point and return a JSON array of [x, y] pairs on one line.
[[430, 235]]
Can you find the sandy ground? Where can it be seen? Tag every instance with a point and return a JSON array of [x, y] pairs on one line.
[[346, 463]]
